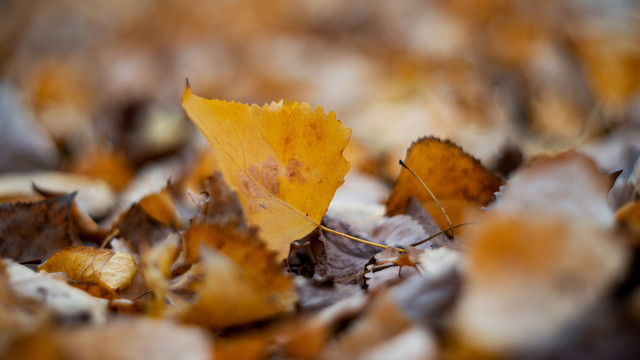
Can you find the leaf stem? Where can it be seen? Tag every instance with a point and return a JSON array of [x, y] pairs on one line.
[[322, 227], [451, 227]]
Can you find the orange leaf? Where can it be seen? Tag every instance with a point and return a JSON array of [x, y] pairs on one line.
[[114, 269], [456, 179], [232, 295], [285, 161], [243, 281]]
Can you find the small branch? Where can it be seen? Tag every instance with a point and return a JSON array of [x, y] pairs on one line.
[[451, 227]]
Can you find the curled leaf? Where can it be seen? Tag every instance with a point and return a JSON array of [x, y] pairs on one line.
[[83, 264]]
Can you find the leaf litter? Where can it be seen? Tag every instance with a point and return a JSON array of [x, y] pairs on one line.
[[545, 255]]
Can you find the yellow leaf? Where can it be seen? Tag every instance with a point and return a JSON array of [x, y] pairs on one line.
[[83, 264], [285, 161], [457, 180]]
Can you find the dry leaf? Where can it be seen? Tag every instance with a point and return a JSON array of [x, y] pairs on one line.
[[628, 217], [106, 164], [40, 292], [232, 294], [35, 230], [160, 206], [456, 179], [342, 258], [381, 321], [94, 196], [285, 161], [82, 264], [567, 185], [123, 339], [138, 228], [527, 277]]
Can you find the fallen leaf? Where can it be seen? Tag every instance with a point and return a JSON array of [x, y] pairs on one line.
[[35, 230], [418, 213], [106, 164], [234, 294], [568, 185], [528, 276], [26, 145], [94, 196], [285, 161], [41, 292], [83, 264], [161, 207], [123, 339], [366, 332], [628, 217], [138, 228], [457, 180], [221, 206], [314, 295], [342, 258]]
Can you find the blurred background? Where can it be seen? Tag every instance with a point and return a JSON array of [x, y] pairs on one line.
[[92, 85]]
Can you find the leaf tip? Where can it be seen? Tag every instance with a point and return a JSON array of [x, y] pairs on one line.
[[187, 91]]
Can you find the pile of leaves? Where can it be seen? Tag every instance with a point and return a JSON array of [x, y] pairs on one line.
[[285, 233], [459, 266]]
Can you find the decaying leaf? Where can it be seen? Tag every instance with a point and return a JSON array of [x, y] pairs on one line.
[[456, 179], [83, 264], [35, 230], [285, 161], [232, 294]]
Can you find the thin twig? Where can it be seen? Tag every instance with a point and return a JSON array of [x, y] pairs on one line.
[[451, 227], [141, 295], [440, 232]]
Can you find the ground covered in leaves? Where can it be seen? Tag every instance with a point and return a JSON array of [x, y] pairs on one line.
[[283, 230]]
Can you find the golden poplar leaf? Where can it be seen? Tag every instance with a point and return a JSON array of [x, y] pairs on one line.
[[457, 180], [82, 264], [285, 161]]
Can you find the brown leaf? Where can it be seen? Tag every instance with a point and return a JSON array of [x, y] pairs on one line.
[[457, 180], [35, 230], [83, 264], [341, 257], [222, 206], [139, 228]]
